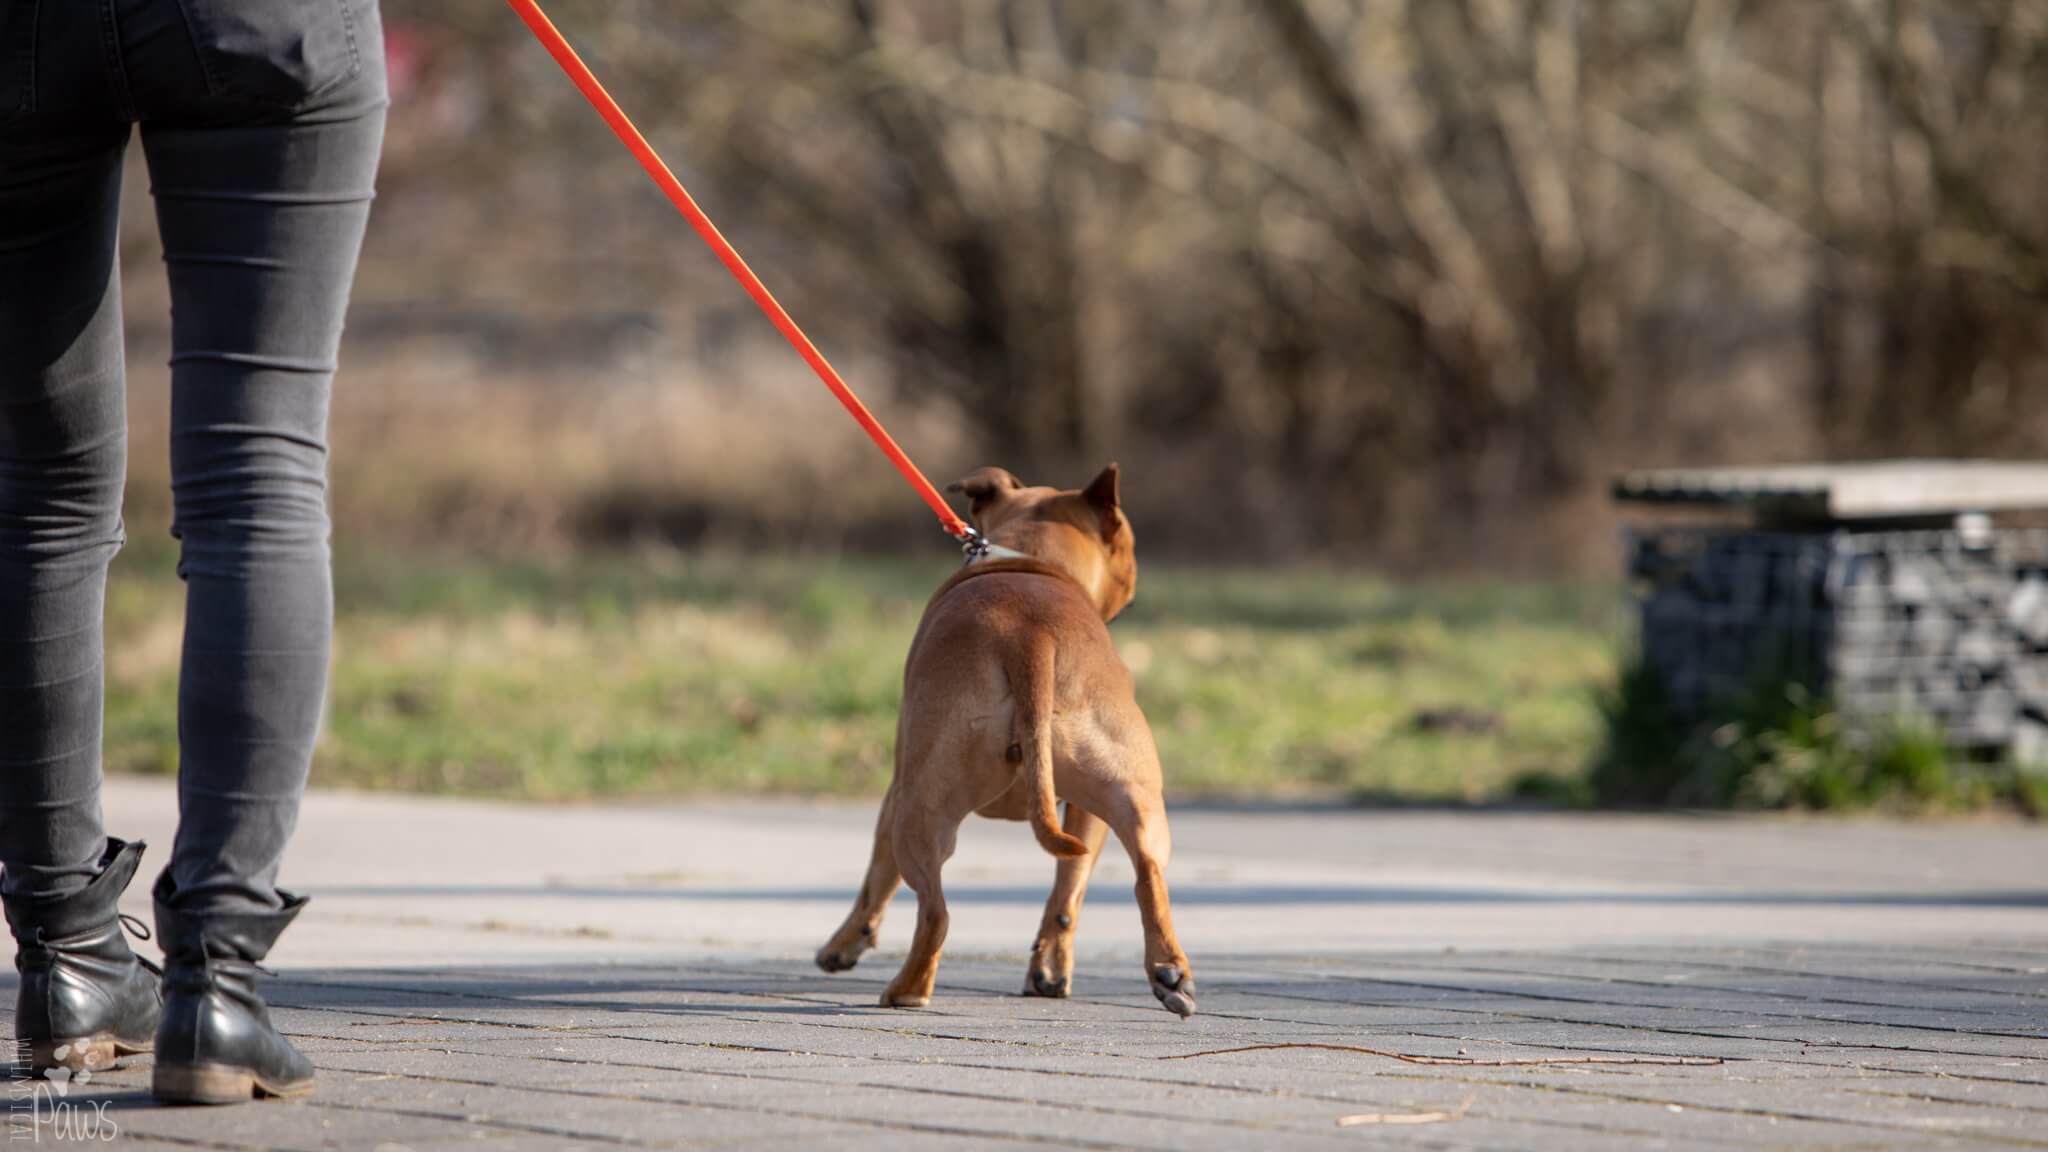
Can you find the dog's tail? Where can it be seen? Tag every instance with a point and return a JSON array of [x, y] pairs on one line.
[[1031, 750]]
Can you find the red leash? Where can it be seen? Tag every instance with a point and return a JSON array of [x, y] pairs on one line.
[[544, 30]]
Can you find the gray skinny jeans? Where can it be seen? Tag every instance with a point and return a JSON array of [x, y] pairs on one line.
[[261, 122]]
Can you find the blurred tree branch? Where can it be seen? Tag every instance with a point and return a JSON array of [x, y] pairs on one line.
[[1426, 270]]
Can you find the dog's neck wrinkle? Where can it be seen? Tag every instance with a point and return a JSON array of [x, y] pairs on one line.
[[1055, 545], [1004, 566]]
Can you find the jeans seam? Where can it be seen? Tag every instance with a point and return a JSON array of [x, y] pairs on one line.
[[213, 85], [27, 101], [355, 59], [355, 53], [117, 70]]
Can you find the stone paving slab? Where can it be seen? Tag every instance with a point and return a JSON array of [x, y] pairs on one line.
[[441, 1066], [453, 1075], [479, 976]]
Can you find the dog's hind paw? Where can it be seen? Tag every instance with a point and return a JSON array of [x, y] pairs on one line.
[[904, 1000], [1039, 982], [1175, 990]]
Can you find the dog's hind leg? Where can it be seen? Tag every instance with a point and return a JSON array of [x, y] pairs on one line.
[[922, 854], [1052, 957], [857, 934], [1120, 781], [1142, 828]]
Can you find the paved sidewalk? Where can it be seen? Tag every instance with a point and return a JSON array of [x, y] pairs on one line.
[[498, 977]]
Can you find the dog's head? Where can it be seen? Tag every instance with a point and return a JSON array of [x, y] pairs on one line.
[[1081, 531]]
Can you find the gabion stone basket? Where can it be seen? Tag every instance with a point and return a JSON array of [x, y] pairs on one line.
[[1884, 586], [1948, 627]]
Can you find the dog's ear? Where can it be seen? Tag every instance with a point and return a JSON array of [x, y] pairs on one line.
[[1101, 495], [1101, 491], [985, 486]]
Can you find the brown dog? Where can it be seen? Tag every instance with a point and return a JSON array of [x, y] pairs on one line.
[[1014, 698]]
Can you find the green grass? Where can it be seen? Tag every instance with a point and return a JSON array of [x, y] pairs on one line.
[[659, 673], [1778, 745]]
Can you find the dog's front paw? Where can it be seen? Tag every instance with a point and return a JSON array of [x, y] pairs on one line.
[[837, 959], [1175, 989], [1051, 972], [894, 999], [1040, 982], [845, 948]]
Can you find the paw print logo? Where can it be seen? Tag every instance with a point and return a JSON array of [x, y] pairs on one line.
[[62, 1079]]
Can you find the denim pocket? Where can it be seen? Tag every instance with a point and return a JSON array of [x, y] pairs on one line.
[[279, 52], [17, 58]]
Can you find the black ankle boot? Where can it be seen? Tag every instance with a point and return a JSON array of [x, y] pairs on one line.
[[85, 999], [216, 1044]]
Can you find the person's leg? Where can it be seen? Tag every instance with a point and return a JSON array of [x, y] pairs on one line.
[[63, 443], [262, 164], [262, 213], [83, 998]]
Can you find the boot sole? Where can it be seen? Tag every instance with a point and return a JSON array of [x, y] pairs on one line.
[[218, 1084], [94, 1053]]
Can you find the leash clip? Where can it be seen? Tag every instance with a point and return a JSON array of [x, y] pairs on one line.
[[978, 548], [973, 547]]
